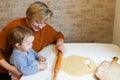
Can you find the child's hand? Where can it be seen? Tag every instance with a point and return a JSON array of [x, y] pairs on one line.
[[14, 78], [41, 58], [42, 66]]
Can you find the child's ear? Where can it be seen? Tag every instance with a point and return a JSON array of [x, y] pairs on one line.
[[17, 44]]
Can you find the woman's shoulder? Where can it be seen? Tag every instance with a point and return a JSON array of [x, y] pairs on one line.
[[14, 23], [48, 26], [17, 20]]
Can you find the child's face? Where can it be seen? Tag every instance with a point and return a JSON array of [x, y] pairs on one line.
[[26, 44]]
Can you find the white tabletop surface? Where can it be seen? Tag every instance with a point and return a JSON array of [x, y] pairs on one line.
[[96, 51]]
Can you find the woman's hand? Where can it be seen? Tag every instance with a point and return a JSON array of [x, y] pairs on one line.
[[15, 77], [60, 46], [10, 68]]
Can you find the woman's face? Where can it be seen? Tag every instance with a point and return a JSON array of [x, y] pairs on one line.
[[38, 24]]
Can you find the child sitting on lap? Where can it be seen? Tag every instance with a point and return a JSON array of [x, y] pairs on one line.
[[23, 56]]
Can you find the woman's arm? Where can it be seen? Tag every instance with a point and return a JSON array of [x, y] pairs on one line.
[[59, 45], [10, 68]]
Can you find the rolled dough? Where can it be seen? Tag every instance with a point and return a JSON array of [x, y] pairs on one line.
[[77, 65]]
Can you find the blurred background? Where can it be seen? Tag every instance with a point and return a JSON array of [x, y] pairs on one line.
[[84, 21]]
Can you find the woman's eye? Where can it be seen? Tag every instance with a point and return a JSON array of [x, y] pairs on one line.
[[36, 21]]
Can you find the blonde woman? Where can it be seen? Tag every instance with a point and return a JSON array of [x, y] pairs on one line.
[[36, 19]]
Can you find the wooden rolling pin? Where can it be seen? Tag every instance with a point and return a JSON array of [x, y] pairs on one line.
[[57, 65]]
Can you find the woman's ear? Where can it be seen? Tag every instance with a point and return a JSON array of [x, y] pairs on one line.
[[17, 45]]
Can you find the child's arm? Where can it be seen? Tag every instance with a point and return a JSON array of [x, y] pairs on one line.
[[41, 58], [26, 68]]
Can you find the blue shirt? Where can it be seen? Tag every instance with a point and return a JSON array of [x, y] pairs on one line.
[[25, 62]]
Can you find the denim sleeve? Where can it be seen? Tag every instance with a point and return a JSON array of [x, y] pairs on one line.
[[34, 53], [24, 67]]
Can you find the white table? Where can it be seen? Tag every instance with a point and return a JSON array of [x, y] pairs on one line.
[[98, 52]]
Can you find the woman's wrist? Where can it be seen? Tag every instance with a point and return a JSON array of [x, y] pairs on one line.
[[59, 42], [59, 45]]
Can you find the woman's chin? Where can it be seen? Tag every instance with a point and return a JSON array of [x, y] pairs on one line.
[[36, 29]]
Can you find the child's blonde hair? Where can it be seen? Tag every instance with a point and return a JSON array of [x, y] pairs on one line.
[[18, 34], [38, 10]]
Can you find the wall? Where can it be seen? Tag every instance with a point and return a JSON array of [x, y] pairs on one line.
[[116, 34], [79, 20]]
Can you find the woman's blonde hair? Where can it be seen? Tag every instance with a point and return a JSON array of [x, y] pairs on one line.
[[38, 10]]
